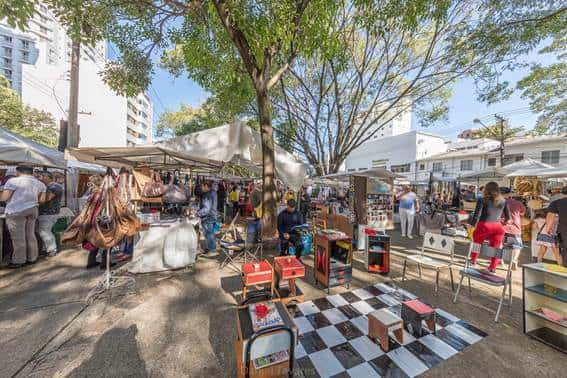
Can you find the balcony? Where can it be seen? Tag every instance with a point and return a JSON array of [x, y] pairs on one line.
[[134, 140]]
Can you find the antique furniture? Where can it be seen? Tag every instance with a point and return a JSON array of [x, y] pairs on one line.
[[256, 274], [333, 259], [380, 322], [414, 313], [377, 251], [288, 269]]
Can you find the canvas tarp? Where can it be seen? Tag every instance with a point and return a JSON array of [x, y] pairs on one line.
[[526, 167], [16, 149], [239, 144]]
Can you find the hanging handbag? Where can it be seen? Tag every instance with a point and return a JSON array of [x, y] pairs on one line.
[[155, 188], [174, 193]]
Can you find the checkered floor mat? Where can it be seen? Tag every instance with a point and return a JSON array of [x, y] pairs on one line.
[[333, 341]]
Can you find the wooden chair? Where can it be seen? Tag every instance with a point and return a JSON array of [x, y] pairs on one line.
[[488, 278], [441, 245]]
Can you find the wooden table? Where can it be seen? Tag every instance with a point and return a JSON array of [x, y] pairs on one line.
[[263, 345], [289, 268], [333, 264]]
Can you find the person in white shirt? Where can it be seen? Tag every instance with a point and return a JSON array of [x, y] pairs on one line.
[[409, 205], [22, 195]]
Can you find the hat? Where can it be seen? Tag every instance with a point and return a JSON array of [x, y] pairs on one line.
[[505, 190], [291, 202]]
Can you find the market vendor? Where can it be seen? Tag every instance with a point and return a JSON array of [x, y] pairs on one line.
[[559, 208], [49, 212], [287, 220], [23, 194], [208, 214], [513, 229]]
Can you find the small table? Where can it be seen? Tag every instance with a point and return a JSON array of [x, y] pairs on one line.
[[380, 322], [414, 312], [264, 344], [289, 268], [257, 273]]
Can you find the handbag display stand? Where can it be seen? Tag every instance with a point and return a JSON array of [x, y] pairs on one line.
[[109, 280]]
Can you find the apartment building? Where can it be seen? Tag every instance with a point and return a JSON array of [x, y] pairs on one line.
[[484, 154], [36, 61], [398, 153]]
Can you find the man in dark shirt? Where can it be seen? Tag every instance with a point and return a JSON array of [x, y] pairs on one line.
[[288, 219], [208, 214], [49, 212], [559, 207]]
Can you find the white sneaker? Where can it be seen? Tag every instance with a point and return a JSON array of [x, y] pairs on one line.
[[403, 236], [410, 237]]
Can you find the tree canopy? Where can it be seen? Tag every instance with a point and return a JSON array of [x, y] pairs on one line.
[[24, 120]]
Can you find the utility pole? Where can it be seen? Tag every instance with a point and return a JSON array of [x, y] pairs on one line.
[[72, 123], [501, 120]]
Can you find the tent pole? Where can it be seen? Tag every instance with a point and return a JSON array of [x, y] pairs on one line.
[[66, 188]]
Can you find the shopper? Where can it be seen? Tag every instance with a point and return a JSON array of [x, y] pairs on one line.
[[23, 194], [221, 199], [409, 205], [513, 230], [545, 240], [49, 212], [234, 199], [488, 226], [559, 207], [305, 204], [208, 214], [287, 220]]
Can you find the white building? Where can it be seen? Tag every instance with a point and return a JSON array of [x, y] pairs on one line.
[[37, 63], [398, 152], [400, 124], [549, 149]]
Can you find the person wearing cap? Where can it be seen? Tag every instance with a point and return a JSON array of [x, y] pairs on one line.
[[48, 211], [22, 195], [288, 219], [559, 208], [513, 229]]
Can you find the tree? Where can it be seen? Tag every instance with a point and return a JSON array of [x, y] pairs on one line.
[[188, 120], [24, 120]]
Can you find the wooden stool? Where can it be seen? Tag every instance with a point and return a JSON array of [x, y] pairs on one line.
[[289, 268], [257, 273], [413, 313], [380, 322]]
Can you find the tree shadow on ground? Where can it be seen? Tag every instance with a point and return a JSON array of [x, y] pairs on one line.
[[116, 353]]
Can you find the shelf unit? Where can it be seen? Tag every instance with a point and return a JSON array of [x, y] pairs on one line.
[[537, 281]]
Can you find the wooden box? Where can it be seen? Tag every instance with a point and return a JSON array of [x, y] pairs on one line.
[[251, 276], [288, 267]]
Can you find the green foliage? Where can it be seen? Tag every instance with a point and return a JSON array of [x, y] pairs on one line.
[[24, 120], [188, 120], [17, 12], [494, 132]]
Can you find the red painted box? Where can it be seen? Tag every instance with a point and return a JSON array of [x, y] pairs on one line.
[[253, 276], [289, 267], [418, 306]]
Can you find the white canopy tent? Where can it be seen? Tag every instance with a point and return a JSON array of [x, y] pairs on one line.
[[380, 173], [16, 149], [526, 167], [239, 144]]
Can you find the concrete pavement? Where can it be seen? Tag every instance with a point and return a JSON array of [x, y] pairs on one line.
[[182, 323]]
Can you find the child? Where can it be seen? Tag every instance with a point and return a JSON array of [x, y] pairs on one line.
[[545, 241]]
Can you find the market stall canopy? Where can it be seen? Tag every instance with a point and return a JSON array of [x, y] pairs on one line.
[[238, 143], [526, 167], [380, 173], [16, 149], [155, 157]]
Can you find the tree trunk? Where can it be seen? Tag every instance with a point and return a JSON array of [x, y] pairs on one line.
[[269, 214]]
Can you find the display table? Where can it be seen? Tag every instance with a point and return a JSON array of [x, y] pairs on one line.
[[288, 269], [264, 344], [255, 274], [545, 304], [165, 245], [333, 259]]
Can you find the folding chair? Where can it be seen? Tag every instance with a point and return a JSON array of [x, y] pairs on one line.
[[239, 250], [439, 244], [488, 278]]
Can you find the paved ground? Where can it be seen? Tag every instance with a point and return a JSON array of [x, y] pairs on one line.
[[182, 323]]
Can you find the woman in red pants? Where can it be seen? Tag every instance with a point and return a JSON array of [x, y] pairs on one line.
[[487, 219]]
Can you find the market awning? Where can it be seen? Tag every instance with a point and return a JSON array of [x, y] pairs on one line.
[[552, 172], [526, 167], [238, 143], [16, 149], [155, 157]]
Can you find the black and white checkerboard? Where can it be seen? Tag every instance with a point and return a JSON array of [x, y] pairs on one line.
[[333, 337]]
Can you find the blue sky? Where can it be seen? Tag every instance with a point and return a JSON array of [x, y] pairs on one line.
[[168, 92]]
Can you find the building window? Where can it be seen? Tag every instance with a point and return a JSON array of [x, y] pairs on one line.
[[351, 169], [7, 38], [25, 44], [466, 165], [380, 163], [512, 158], [8, 73], [7, 51], [401, 168], [422, 166], [550, 157], [491, 162], [7, 61], [25, 56], [437, 167]]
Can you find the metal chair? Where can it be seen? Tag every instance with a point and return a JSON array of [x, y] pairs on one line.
[[440, 244], [488, 278], [242, 250]]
